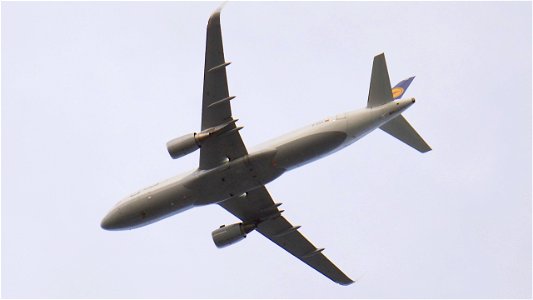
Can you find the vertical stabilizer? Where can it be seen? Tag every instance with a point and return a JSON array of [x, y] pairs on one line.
[[380, 89], [401, 87]]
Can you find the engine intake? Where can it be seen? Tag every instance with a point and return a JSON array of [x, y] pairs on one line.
[[230, 234]]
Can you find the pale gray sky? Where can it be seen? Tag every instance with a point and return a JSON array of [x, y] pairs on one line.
[[92, 91]]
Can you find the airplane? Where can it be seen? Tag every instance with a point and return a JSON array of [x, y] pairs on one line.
[[235, 179]]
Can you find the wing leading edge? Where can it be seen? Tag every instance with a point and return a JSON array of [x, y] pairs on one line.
[[257, 206]]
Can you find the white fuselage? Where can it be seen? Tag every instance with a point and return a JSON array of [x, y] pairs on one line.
[[262, 165]]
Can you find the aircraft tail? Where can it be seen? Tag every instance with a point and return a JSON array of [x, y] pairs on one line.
[[381, 93]]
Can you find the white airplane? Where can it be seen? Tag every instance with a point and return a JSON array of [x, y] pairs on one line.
[[234, 179]]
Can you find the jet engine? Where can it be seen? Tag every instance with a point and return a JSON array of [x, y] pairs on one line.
[[186, 144], [189, 143], [230, 234]]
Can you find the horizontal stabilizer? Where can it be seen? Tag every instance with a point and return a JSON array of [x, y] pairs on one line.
[[402, 130], [401, 87]]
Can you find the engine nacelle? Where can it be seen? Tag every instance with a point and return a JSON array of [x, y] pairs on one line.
[[230, 234], [189, 143], [186, 144]]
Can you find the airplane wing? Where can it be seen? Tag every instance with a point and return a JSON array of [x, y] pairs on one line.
[[216, 108], [258, 207]]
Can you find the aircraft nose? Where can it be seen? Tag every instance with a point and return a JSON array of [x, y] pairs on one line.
[[413, 100], [106, 224], [110, 221]]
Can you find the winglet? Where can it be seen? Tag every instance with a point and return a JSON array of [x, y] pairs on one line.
[[219, 9], [215, 16], [214, 19]]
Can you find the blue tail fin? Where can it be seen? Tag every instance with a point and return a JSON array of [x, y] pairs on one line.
[[401, 87]]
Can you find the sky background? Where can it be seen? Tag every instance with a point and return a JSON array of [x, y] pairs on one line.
[[92, 91]]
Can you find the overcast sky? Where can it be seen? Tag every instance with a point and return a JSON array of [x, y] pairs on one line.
[[92, 91]]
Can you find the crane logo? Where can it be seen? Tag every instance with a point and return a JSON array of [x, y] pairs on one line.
[[397, 92]]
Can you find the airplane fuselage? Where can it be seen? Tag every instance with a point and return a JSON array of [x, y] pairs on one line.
[[262, 165]]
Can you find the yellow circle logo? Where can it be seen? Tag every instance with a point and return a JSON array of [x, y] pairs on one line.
[[397, 92]]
